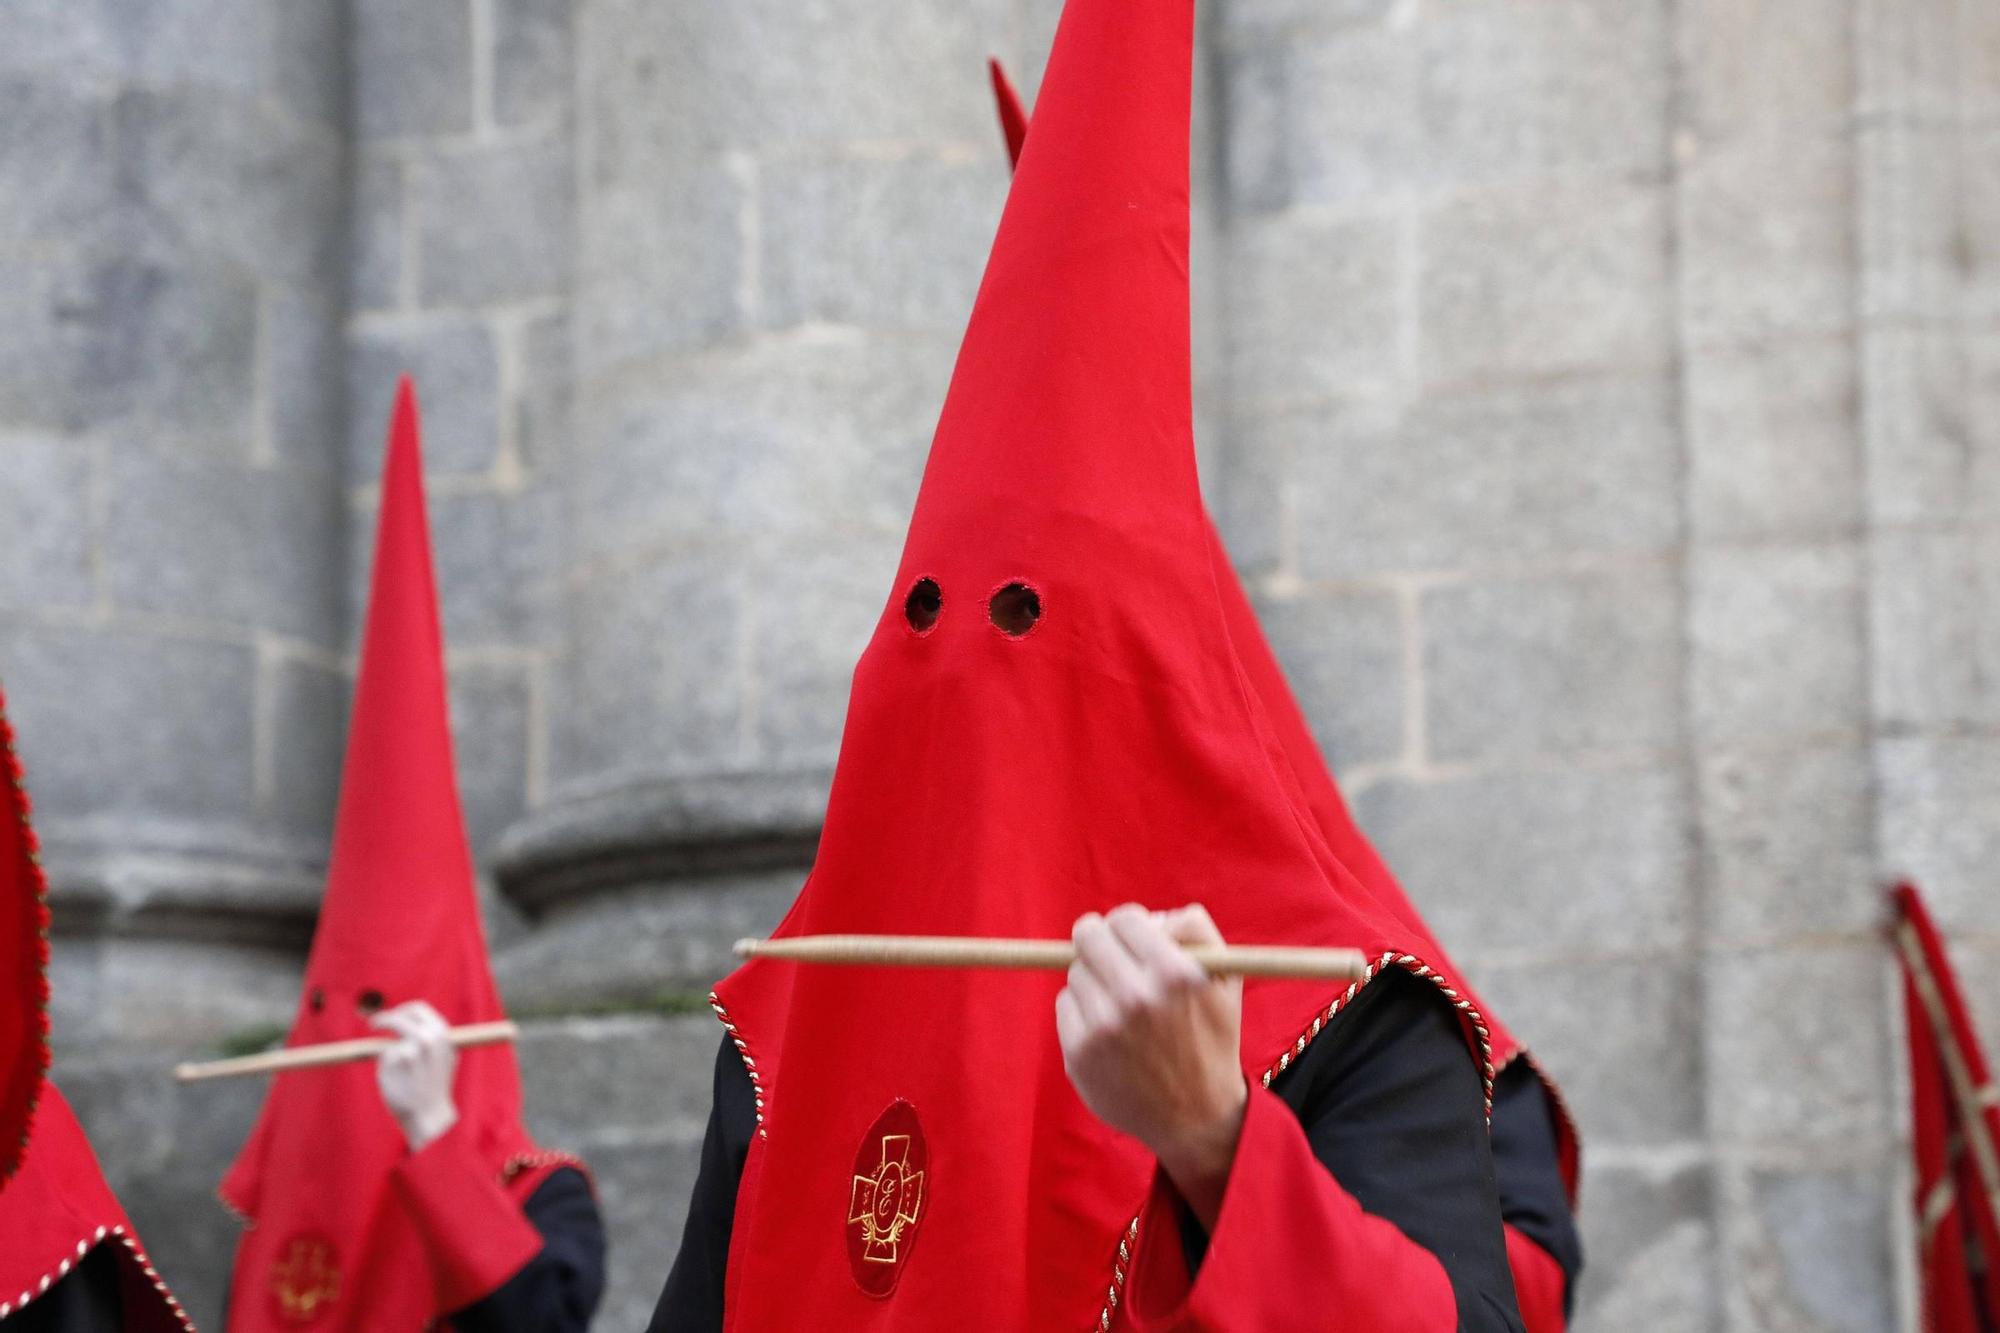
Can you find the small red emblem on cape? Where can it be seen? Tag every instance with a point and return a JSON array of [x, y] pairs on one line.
[[305, 1279], [887, 1202]]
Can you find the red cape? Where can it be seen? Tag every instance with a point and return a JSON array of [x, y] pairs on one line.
[[333, 1244], [24, 959], [57, 1210], [1955, 1124], [922, 1155]]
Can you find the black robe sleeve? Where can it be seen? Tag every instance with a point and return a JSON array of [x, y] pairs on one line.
[[1525, 1162], [559, 1289], [692, 1301], [87, 1300], [1390, 1103], [1395, 1111]]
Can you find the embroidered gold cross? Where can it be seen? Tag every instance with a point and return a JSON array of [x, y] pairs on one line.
[[886, 1204]]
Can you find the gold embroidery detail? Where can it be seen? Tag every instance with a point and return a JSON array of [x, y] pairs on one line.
[[305, 1279], [886, 1204]]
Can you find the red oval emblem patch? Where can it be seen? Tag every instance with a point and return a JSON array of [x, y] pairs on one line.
[[891, 1181]]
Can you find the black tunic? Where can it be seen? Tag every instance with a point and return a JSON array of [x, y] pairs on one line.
[[86, 1300], [559, 1289], [1532, 1198], [1390, 1105]]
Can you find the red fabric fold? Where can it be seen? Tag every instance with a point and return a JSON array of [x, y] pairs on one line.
[[472, 1229], [1290, 1249], [1955, 1133], [1539, 1284], [57, 1209], [24, 959]]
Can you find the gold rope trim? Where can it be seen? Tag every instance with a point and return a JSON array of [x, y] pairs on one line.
[[1410, 963], [135, 1251], [742, 1050]]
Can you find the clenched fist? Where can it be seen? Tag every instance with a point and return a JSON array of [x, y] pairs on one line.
[[1150, 1043]]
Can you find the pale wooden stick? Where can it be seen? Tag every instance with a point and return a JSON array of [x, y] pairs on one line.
[[1047, 955], [335, 1053]]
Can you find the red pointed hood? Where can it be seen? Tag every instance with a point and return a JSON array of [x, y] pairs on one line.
[[57, 1210], [55, 1206], [1013, 116], [400, 921], [24, 959], [1316, 785], [1001, 783]]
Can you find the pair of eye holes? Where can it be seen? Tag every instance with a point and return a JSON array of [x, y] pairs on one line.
[[369, 1002], [1013, 610]]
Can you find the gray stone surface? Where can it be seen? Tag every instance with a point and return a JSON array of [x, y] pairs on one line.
[[130, 726], [194, 539], [1638, 1017], [45, 510], [377, 233], [1776, 639], [1337, 325], [835, 237], [412, 67], [1547, 665], [1937, 800], [1545, 280], [456, 368], [533, 50], [523, 247], [1767, 237], [665, 659], [1808, 1247], [1343, 656], [1517, 473], [1774, 441], [1556, 860], [1788, 842], [1810, 1072]]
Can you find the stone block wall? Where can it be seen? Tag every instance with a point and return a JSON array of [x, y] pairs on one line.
[[1597, 394]]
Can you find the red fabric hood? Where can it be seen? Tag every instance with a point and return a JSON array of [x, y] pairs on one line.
[[998, 785], [57, 1210], [1316, 786], [24, 959], [400, 921]]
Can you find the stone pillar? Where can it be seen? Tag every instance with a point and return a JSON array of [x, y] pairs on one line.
[[783, 216], [169, 578], [1800, 1097]]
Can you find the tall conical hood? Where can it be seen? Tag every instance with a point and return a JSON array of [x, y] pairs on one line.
[[1315, 785], [399, 922], [24, 959], [1048, 720]]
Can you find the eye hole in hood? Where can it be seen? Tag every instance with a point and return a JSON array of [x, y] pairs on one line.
[[1015, 609], [923, 606]]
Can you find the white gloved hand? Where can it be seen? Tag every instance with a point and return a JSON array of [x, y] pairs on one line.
[[416, 1073]]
